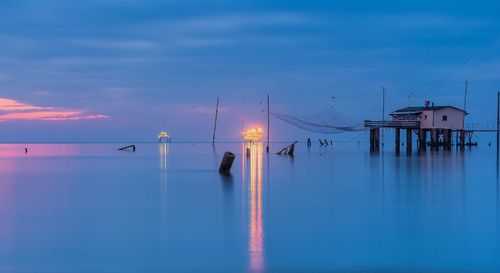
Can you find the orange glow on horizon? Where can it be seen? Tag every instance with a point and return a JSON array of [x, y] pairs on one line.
[[14, 110]]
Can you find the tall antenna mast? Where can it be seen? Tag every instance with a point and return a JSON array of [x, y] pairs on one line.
[[465, 95], [383, 112], [409, 98], [215, 123]]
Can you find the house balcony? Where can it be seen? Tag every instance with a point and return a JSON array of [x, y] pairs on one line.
[[402, 124]]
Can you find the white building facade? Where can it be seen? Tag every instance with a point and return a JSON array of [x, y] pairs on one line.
[[433, 117]]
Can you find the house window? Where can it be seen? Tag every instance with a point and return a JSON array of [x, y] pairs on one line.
[[445, 118]]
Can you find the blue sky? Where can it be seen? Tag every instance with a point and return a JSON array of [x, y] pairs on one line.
[[145, 66]]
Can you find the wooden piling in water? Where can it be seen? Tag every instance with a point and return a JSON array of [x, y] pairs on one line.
[[226, 163], [397, 144], [268, 125], [498, 126], [422, 139], [408, 141], [462, 139], [374, 139], [447, 139], [434, 138]]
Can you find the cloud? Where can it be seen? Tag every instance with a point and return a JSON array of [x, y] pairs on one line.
[[79, 61], [11, 109], [238, 21], [3, 77], [13, 105], [108, 43], [202, 42]]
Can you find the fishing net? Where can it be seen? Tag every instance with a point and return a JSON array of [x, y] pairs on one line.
[[325, 122]]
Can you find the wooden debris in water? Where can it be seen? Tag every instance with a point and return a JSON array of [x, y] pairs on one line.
[[288, 150], [127, 148]]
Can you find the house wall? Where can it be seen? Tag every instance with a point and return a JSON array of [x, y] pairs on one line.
[[406, 117], [435, 119], [426, 119]]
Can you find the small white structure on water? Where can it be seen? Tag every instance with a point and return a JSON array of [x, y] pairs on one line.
[[432, 117], [164, 137]]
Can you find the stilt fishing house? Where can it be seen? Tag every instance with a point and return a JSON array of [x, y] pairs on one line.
[[438, 120], [432, 117]]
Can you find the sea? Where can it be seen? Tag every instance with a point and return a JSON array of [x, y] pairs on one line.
[[89, 207]]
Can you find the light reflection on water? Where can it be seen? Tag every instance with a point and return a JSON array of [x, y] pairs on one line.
[[91, 208], [163, 153], [256, 243]]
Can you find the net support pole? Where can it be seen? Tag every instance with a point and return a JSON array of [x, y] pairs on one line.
[[498, 124], [268, 120], [215, 122]]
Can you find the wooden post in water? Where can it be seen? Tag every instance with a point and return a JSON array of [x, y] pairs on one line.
[[422, 139], [434, 138], [408, 141], [450, 137], [383, 113], [398, 140], [215, 123], [447, 139], [462, 139], [498, 123], [226, 163], [374, 139], [268, 132]]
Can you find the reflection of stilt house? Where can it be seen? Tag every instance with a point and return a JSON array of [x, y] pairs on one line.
[[436, 120]]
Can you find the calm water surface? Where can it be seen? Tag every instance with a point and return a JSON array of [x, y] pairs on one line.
[[164, 208]]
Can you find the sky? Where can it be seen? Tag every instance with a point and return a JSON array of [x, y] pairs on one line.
[[123, 70]]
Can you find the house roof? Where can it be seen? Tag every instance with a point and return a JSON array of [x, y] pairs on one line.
[[419, 109]]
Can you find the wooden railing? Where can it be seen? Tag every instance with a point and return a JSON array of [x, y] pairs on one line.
[[407, 124], [480, 127]]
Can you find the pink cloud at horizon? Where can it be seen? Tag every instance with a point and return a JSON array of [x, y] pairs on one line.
[[11, 109], [14, 105]]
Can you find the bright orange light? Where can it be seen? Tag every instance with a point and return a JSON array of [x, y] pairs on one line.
[[253, 135]]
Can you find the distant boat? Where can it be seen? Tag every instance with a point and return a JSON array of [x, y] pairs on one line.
[[164, 137]]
